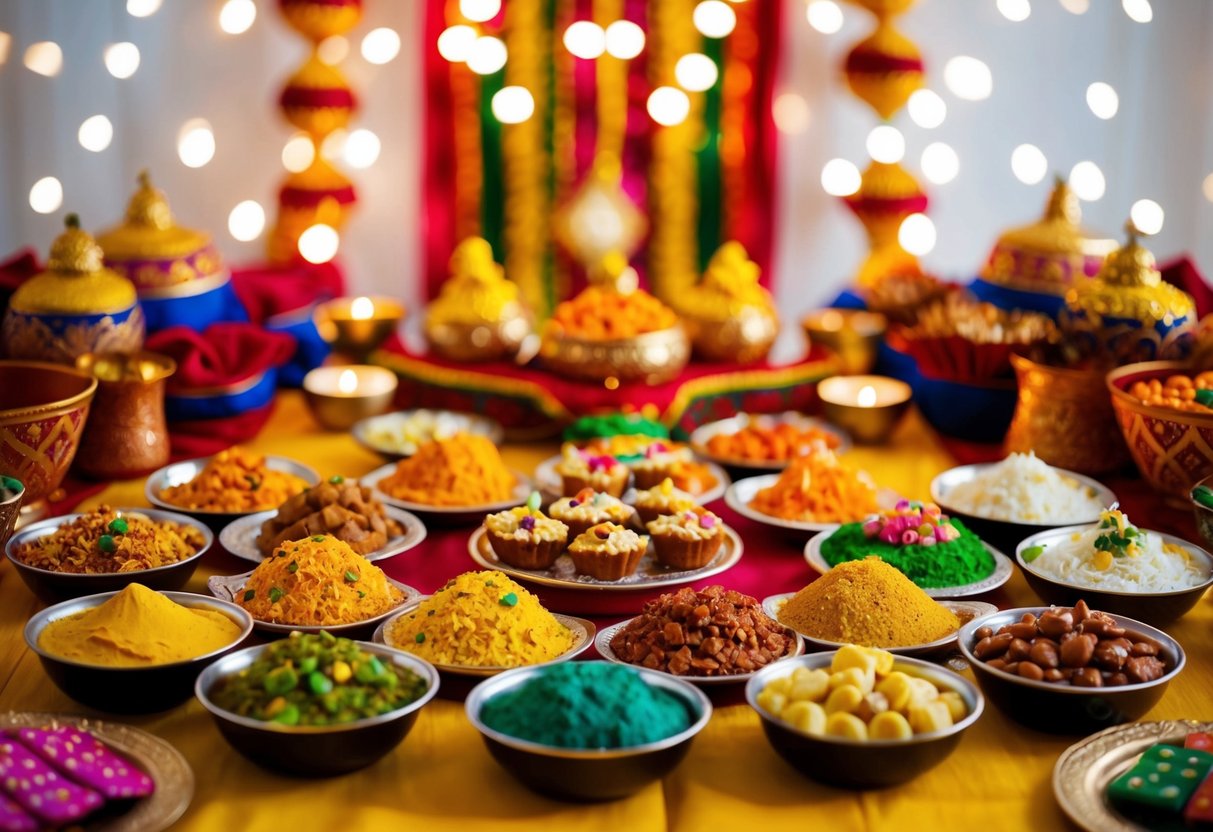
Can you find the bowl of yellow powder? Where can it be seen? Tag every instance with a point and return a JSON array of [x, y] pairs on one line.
[[137, 650], [482, 623], [872, 604]]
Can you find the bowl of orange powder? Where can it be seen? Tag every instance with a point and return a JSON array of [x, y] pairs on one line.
[[605, 332], [454, 481]]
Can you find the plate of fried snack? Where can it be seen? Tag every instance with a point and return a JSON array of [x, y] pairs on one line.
[[339, 506], [231, 483]]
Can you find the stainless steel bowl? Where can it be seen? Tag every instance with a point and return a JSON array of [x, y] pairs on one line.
[[129, 690], [588, 774], [182, 472], [322, 750], [864, 764]]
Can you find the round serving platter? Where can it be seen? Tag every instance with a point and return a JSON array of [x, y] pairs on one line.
[[178, 473], [704, 433], [548, 481], [450, 515], [1084, 770], [157, 759], [966, 611], [1003, 567], [446, 423], [240, 536], [582, 629], [741, 493], [648, 575], [603, 644], [229, 588]]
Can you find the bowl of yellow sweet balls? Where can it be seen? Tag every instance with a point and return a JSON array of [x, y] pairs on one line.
[[861, 717]]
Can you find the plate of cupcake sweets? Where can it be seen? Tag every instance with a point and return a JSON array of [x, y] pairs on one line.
[[935, 551], [615, 468], [594, 540]]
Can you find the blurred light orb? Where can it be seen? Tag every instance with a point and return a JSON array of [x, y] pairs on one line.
[[886, 144], [361, 149], [824, 15], [95, 133], [585, 39], [488, 55], [122, 59], [513, 105], [480, 11], [791, 113], [940, 164], [1103, 100], [669, 106], [696, 72], [246, 221], [1029, 164], [1076, 6], [968, 78], [46, 195], [237, 16], [1147, 215], [44, 58], [319, 243], [1016, 11], [142, 8], [380, 45], [195, 143], [1139, 11], [1087, 181], [714, 18], [917, 234], [333, 49], [624, 40], [927, 109], [298, 153], [840, 178], [455, 43]]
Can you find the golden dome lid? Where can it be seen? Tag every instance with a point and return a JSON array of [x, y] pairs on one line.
[[148, 231], [476, 291], [1130, 286], [75, 281], [729, 286], [1051, 252]]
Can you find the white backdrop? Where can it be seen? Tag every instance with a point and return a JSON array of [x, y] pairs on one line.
[[1158, 146]]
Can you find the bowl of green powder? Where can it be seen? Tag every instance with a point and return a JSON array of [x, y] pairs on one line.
[[587, 731]]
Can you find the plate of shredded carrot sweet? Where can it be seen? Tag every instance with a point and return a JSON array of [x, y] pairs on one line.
[[457, 479], [815, 493], [318, 583], [752, 442], [233, 482]]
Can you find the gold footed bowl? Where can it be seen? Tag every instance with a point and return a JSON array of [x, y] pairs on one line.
[[653, 357], [1066, 419], [478, 342], [43, 408], [1173, 449], [741, 339]]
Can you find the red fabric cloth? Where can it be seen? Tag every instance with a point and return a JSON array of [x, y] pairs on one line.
[[223, 354], [1182, 272], [266, 291]]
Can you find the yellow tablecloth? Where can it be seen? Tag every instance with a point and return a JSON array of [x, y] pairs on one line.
[[442, 777]]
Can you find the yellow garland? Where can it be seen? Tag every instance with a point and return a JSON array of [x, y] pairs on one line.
[[673, 204], [564, 127], [527, 235], [740, 48], [611, 76], [465, 115]]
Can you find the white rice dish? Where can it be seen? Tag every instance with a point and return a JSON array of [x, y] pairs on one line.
[[1116, 557], [1024, 489]]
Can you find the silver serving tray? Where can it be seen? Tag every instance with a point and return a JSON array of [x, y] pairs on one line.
[[240, 536], [703, 434]]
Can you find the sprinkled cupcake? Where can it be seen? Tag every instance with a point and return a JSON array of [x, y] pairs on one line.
[[686, 540], [587, 508], [662, 498], [608, 551], [525, 538], [580, 469]]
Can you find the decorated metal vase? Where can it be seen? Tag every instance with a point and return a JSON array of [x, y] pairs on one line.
[[729, 316], [75, 307], [1127, 313], [478, 316], [178, 272], [1066, 418], [1048, 255]]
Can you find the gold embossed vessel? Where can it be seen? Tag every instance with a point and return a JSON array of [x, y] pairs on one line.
[[1066, 418], [478, 316], [75, 306], [729, 316], [614, 330]]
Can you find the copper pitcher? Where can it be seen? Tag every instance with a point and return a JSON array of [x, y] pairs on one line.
[[1066, 418], [126, 435]]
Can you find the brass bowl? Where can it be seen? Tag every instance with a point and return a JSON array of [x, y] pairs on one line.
[[1171, 448], [653, 357], [478, 342], [852, 334], [1066, 418], [741, 339], [43, 408], [358, 337], [341, 411], [866, 425]]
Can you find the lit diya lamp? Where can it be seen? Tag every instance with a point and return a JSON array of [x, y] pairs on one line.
[[341, 395], [852, 334], [867, 407], [358, 326]]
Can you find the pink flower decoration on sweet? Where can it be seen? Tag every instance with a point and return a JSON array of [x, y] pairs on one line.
[[871, 528], [707, 521], [909, 537], [902, 505], [928, 541], [890, 535]]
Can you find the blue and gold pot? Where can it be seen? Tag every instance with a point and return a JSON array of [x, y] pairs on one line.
[[1127, 313], [180, 277], [76, 306]]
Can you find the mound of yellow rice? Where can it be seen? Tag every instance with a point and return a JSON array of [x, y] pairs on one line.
[[481, 619]]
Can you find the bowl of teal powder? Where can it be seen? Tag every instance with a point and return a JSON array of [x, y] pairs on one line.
[[587, 731]]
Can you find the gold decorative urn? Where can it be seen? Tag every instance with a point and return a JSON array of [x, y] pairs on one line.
[[729, 316]]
